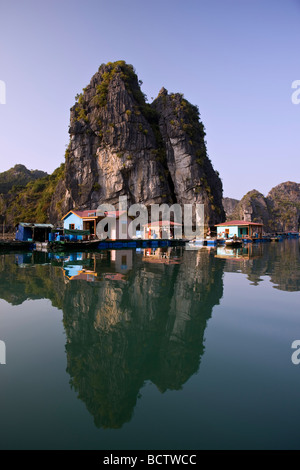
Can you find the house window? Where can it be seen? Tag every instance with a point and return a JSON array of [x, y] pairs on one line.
[[72, 226]]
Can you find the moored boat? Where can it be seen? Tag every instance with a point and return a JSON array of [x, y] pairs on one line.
[[196, 241], [233, 242], [276, 238]]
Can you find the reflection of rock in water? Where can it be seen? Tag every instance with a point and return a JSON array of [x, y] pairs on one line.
[[280, 261], [149, 328], [284, 265], [146, 324], [28, 276]]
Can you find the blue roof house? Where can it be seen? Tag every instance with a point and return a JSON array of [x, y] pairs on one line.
[[33, 232], [81, 220]]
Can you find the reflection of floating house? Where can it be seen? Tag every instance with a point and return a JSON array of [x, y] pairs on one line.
[[160, 256], [88, 220], [122, 260], [76, 266], [83, 276], [240, 229], [33, 232], [160, 229], [246, 252], [81, 266], [23, 259]]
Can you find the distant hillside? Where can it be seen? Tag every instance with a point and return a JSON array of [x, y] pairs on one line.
[[18, 176], [31, 202], [279, 211]]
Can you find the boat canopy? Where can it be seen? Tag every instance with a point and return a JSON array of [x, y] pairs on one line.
[[69, 231]]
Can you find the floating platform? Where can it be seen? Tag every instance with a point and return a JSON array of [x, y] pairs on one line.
[[15, 245], [211, 242], [110, 244]]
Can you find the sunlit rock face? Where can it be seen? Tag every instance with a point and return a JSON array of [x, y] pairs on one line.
[[120, 145]]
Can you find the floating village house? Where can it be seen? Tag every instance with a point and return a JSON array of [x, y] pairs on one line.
[[80, 220], [162, 229], [76, 221], [33, 232], [240, 229]]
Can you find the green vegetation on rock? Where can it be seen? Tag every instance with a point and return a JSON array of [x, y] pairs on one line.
[[17, 177]]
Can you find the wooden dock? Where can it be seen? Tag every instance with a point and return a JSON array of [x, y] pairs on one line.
[[95, 245]]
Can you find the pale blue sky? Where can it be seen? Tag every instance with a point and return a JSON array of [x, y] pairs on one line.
[[235, 59]]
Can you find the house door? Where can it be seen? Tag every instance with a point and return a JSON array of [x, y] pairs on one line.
[[89, 225]]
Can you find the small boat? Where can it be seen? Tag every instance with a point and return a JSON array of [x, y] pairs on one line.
[[292, 235], [276, 239], [247, 240], [233, 242], [196, 241]]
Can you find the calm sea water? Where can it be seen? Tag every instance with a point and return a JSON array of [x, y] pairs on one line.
[[165, 349]]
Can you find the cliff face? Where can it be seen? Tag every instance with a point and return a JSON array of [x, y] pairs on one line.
[[113, 150], [284, 203], [193, 178], [279, 211], [253, 207], [229, 205], [120, 145]]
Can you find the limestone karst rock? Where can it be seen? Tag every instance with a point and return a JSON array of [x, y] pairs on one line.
[[122, 146]]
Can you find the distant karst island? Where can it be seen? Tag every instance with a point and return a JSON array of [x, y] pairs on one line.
[[279, 211]]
